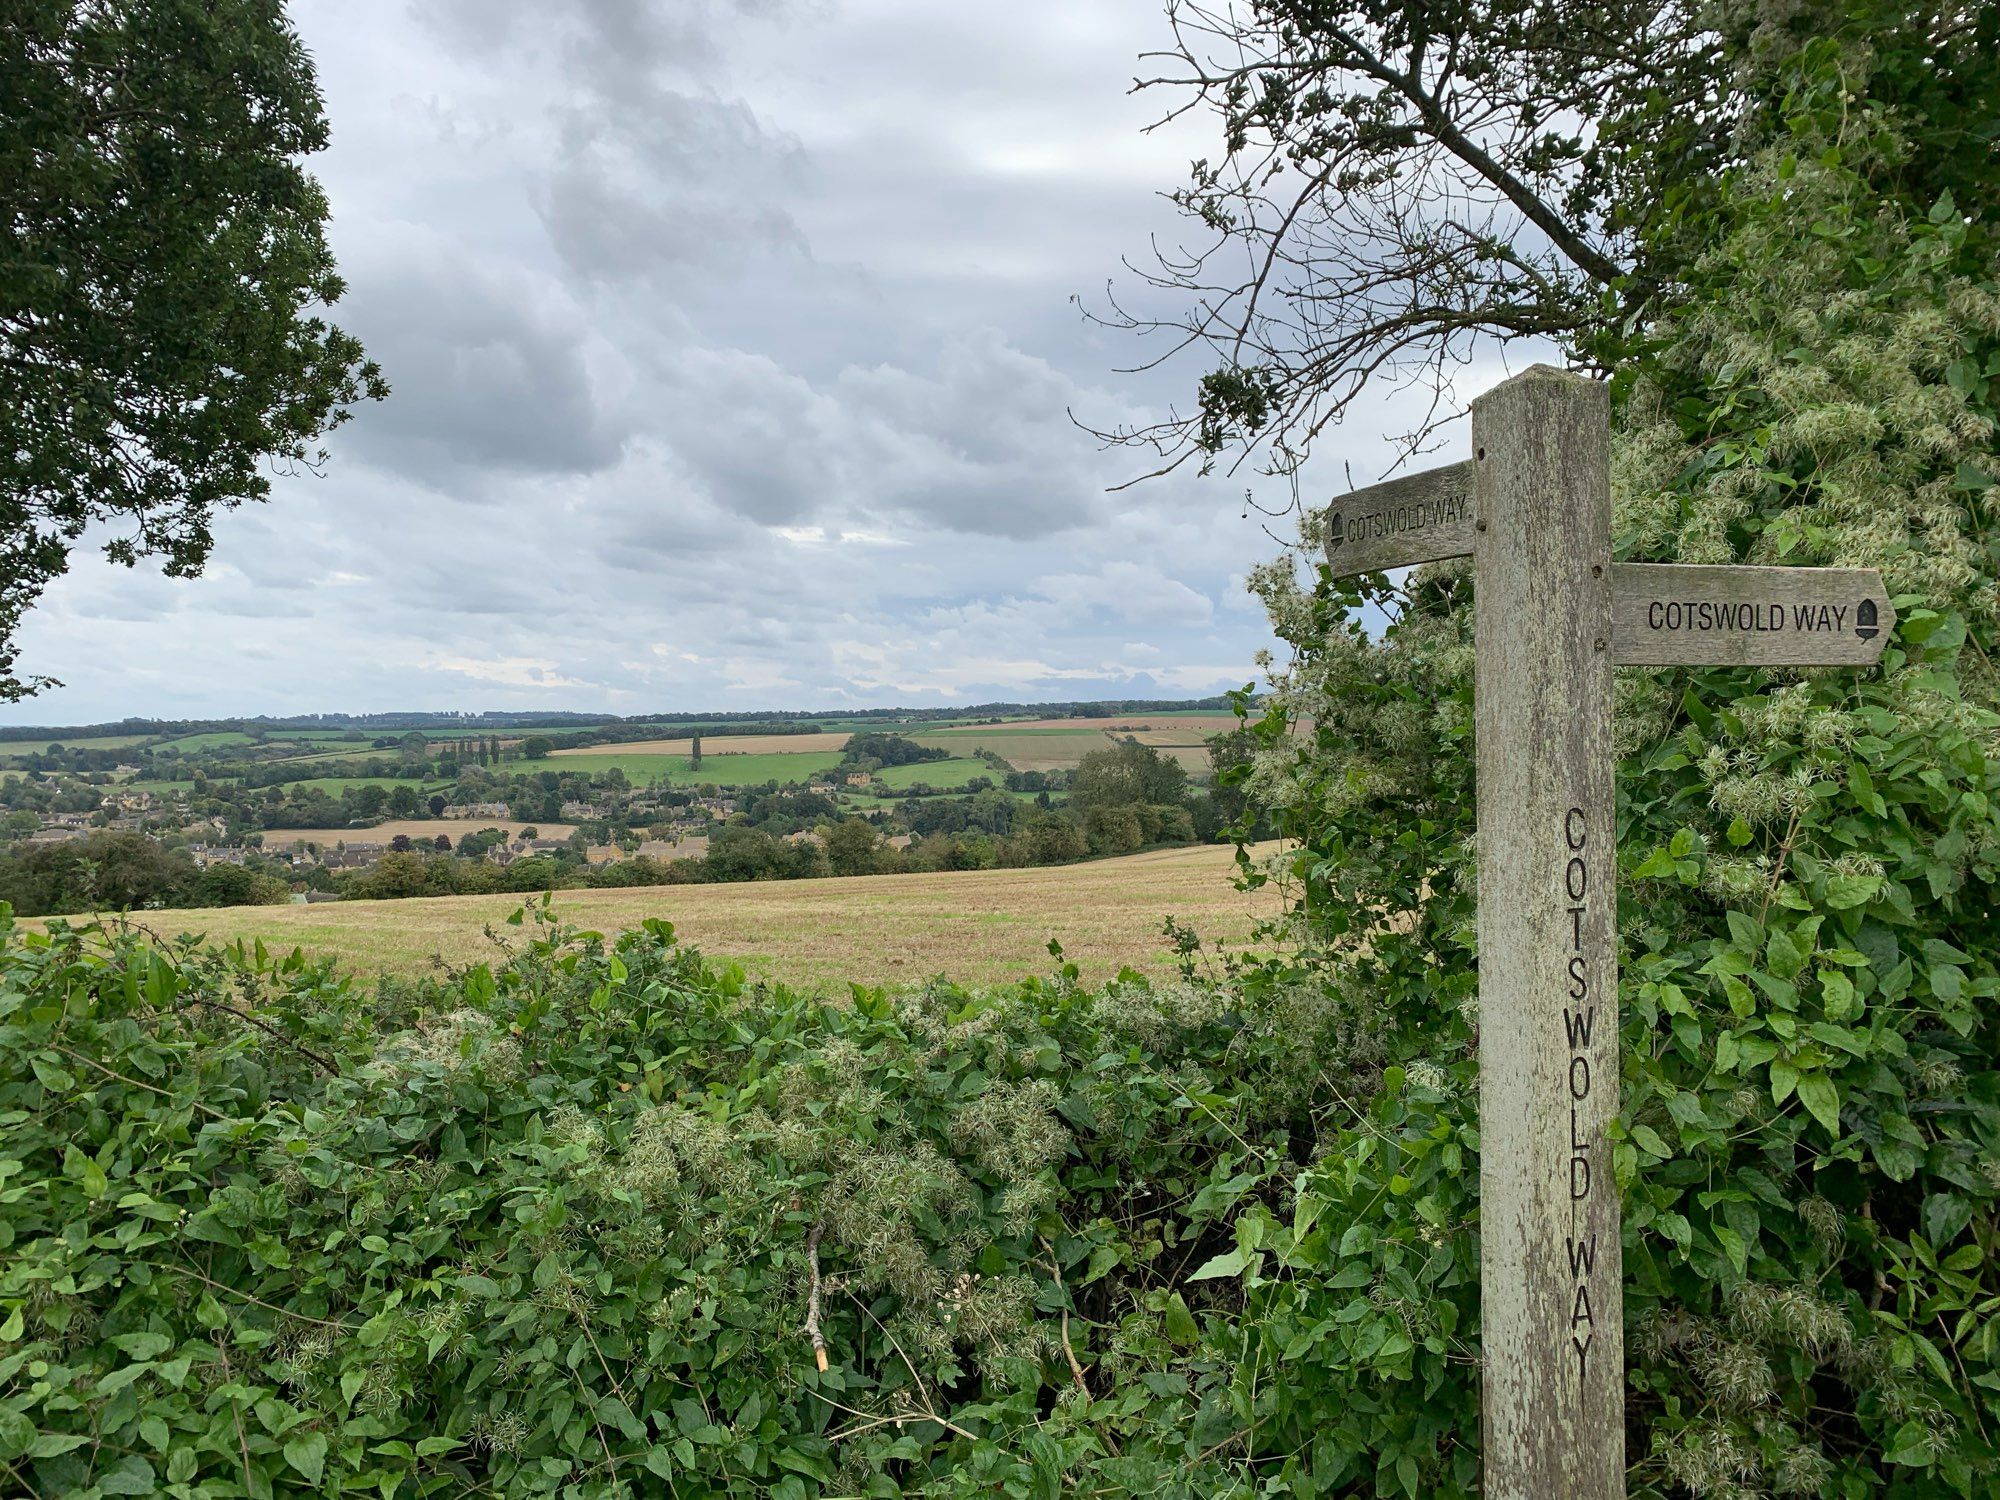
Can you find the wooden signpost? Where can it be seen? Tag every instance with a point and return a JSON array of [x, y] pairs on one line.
[[1552, 616]]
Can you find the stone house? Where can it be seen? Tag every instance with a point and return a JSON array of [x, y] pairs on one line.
[[476, 810]]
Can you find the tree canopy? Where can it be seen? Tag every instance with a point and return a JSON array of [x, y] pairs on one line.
[[1400, 183], [163, 267]]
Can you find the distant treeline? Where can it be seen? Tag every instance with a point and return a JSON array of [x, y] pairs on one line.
[[753, 721]]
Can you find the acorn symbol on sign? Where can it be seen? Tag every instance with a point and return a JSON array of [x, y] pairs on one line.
[[1336, 532], [1864, 620]]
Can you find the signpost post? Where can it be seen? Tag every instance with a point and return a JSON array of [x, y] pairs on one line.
[[1552, 616]]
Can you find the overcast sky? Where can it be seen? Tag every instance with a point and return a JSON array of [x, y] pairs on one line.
[[733, 353]]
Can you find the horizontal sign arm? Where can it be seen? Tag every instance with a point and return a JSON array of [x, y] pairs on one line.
[[1416, 519], [1675, 614]]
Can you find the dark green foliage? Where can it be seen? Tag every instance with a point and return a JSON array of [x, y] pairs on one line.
[[878, 750], [161, 256], [1129, 795], [548, 1228], [117, 871]]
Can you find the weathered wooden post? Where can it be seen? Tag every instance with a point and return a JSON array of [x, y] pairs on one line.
[[1552, 615], [1551, 1273]]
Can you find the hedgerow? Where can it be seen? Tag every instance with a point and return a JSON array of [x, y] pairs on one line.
[[572, 1223], [1809, 1148]]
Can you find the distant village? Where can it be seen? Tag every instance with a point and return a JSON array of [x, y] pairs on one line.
[[228, 817]]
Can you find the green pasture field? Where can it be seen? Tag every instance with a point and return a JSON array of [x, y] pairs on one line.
[[938, 773], [722, 770], [213, 739], [1023, 749], [22, 749]]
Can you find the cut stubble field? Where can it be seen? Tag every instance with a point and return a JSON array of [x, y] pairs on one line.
[[974, 927]]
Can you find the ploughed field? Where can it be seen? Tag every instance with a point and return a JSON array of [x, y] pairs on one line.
[[975, 927]]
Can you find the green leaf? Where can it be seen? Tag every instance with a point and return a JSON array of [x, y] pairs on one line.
[[1358, 1240], [1837, 995], [1745, 931], [1821, 1095], [1733, 1245], [1229, 1263], [1784, 956], [131, 1475], [1945, 1217], [1656, 866], [1649, 1139], [16, 1433], [1846, 891], [307, 1454], [1784, 1078]]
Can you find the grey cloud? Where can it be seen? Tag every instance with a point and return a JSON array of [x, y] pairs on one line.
[[963, 446], [603, 227], [732, 361], [650, 168], [489, 369]]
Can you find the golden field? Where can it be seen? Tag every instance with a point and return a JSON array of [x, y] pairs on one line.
[[975, 927]]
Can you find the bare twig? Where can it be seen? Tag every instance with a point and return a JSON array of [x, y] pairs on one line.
[[812, 1296], [1778, 870], [236, 1411], [213, 1114], [324, 1063], [1069, 1351], [231, 1291]]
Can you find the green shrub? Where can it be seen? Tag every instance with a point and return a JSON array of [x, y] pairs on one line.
[[1809, 909], [550, 1226]]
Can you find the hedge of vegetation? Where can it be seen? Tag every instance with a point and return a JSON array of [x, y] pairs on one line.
[[556, 1227], [1809, 903]]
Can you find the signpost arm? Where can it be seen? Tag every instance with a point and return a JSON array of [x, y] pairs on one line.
[[1551, 1269]]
